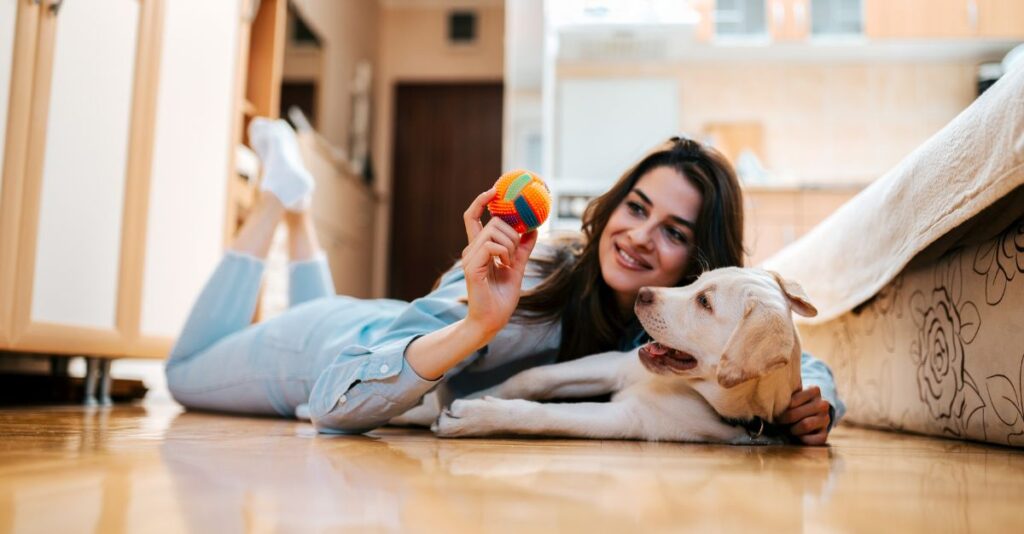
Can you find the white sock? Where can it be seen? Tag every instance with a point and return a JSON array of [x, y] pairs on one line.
[[283, 172]]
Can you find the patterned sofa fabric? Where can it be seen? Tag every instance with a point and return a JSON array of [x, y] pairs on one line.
[[940, 349]]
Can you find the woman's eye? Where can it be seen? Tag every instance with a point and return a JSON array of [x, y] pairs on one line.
[[634, 208], [675, 235], [704, 302]]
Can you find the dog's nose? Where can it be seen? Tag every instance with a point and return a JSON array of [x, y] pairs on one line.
[[646, 296]]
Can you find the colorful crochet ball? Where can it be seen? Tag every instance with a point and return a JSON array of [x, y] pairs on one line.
[[522, 200]]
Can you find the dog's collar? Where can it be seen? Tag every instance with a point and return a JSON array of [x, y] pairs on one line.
[[757, 427]]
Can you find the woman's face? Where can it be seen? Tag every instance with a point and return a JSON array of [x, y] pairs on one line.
[[649, 237]]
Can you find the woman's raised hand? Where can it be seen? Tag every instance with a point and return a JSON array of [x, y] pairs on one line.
[[493, 287]]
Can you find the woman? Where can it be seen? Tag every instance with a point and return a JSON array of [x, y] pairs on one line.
[[359, 363]]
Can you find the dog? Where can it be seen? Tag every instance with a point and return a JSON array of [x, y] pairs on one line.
[[722, 366]]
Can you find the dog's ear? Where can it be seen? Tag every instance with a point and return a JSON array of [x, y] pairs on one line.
[[796, 296], [761, 343]]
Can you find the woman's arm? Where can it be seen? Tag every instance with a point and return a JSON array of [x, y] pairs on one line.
[[815, 410], [492, 292], [435, 353], [432, 336]]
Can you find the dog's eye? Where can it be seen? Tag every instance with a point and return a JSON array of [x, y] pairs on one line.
[[704, 301]]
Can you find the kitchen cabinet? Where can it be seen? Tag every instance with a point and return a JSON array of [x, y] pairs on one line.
[[117, 189], [781, 21], [944, 19]]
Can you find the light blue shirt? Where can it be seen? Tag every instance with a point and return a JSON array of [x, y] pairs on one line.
[[370, 382]]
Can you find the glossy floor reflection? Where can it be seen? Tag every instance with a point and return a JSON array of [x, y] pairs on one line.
[[155, 469]]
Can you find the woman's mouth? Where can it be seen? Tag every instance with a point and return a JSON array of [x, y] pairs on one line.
[[630, 261], [660, 358]]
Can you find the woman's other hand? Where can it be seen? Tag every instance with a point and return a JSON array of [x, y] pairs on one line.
[[808, 416], [494, 263]]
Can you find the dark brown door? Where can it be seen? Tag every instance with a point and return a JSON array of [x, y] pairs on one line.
[[447, 150]]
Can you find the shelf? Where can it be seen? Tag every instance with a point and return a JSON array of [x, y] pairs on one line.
[[248, 108]]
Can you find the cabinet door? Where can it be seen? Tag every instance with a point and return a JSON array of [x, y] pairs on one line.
[[82, 169], [77, 166], [917, 19], [8, 17], [788, 20], [998, 18], [196, 121], [8, 22]]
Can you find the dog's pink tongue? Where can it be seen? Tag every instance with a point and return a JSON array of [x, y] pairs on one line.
[[657, 349]]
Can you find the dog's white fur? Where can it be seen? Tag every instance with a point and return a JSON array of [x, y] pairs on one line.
[[735, 323]]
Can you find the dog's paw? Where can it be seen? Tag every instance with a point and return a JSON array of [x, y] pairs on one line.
[[760, 440], [470, 417]]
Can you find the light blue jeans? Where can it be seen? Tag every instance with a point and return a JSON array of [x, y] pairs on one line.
[[223, 362]]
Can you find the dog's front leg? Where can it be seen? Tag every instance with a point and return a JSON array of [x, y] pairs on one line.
[[490, 416], [589, 376]]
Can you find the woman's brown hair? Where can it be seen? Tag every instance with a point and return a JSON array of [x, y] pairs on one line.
[[575, 293]]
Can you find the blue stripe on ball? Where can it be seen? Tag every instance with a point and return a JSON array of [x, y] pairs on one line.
[[526, 212]]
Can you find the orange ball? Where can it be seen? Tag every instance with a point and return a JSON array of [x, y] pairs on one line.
[[522, 200]]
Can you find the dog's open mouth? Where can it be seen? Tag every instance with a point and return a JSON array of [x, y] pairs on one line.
[[659, 358]]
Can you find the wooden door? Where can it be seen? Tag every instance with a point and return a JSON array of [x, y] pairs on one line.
[[447, 150]]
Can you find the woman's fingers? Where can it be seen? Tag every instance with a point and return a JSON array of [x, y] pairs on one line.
[[496, 231], [804, 396], [792, 415], [472, 215], [810, 425], [493, 249], [818, 438], [497, 235], [526, 243]]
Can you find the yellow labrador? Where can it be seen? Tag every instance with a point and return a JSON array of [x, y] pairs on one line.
[[723, 365]]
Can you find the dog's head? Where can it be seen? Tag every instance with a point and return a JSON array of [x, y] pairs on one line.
[[731, 327]]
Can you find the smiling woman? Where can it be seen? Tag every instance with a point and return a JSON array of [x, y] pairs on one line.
[[353, 365]]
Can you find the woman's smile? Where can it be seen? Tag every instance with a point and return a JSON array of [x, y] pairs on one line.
[[631, 260]]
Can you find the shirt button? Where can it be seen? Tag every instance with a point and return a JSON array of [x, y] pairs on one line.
[[384, 368], [342, 399]]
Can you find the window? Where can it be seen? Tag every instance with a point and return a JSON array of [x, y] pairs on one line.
[[740, 18], [837, 17]]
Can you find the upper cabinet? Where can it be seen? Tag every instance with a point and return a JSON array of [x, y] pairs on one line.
[[781, 21], [785, 20], [944, 19]]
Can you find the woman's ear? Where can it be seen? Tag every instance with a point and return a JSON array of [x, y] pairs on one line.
[[796, 296]]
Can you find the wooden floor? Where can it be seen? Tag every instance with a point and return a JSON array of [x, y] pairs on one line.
[[154, 469]]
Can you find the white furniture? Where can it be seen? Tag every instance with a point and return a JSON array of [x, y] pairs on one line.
[[120, 123]]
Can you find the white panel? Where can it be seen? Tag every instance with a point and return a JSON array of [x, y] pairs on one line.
[[8, 12], [606, 125], [190, 160], [79, 240]]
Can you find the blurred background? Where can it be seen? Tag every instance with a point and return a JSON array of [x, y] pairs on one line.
[[125, 172]]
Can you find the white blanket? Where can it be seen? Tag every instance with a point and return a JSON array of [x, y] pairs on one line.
[[974, 161]]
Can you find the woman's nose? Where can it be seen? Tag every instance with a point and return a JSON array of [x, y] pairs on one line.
[[641, 236]]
